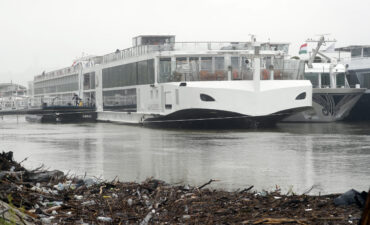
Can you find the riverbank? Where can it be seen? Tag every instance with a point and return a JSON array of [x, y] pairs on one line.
[[48, 197]]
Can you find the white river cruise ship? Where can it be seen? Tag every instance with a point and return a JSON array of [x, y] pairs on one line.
[[160, 82]]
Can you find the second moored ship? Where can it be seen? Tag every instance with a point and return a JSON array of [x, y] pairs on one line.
[[160, 82]]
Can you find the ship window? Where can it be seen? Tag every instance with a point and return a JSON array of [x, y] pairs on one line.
[[88, 99], [146, 72], [164, 70], [340, 80], [314, 78], [235, 68], [63, 84], [325, 80], [120, 100], [366, 52], [365, 80], [246, 71], [142, 72], [206, 98], [220, 72], [206, 63], [182, 69], [219, 63], [356, 52], [92, 80], [205, 72], [301, 96], [127, 75], [87, 81], [194, 68]]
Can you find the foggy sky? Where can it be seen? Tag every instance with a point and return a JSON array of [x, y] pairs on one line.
[[43, 35]]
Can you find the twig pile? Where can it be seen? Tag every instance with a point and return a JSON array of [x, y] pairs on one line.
[[50, 197]]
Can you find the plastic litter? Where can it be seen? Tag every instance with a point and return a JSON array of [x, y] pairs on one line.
[[104, 219]]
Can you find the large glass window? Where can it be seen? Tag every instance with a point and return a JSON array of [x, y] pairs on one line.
[[182, 69], [313, 77], [129, 74], [194, 68], [142, 72], [356, 52], [89, 99], [120, 100], [235, 68], [87, 81], [92, 80], [246, 69], [366, 52], [365, 80], [146, 72], [206, 63], [164, 70], [220, 71], [340, 80], [113, 76], [206, 69], [325, 80], [62, 84]]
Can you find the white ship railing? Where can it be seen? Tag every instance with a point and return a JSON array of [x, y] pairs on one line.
[[57, 73], [188, 46], [146, 49]]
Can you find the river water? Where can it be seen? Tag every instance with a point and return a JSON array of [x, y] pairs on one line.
[[331, 157]]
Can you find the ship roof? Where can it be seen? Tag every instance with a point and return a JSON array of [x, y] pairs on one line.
[[350, 47]]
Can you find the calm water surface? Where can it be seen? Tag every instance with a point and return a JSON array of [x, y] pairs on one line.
[[334, 157]]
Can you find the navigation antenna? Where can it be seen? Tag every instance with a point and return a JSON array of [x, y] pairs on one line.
[[321, 41]]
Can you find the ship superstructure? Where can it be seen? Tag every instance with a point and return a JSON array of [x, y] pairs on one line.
[[160, 82]]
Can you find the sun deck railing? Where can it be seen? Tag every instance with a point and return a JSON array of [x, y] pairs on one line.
[[178, 46], [146, 49], [56, 73]]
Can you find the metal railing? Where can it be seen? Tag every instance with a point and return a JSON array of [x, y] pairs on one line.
[[185, 46]]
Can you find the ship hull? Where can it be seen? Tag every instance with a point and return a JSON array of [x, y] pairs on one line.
[[361, 111], [215, 119], [328, 105]]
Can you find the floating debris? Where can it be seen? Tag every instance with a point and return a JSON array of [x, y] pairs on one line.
[[50, 197]]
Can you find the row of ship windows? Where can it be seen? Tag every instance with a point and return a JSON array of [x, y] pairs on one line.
[[139, 73], [203, 68], [62, 84], [325, 79], [360, 52], [57, 88], [129, 74]]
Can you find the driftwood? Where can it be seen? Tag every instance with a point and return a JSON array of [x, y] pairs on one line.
[[365, 218], [53, 198], [209, 182], [280, 221], [13, 215]]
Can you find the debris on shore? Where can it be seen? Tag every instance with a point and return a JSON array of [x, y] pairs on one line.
[[50, 197]]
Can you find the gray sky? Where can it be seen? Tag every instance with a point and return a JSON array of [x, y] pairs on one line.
[[38, 35]]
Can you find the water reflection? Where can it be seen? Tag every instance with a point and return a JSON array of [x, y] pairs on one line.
[[335, 156]]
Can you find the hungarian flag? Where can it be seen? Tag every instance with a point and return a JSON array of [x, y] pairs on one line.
[[303, 49]]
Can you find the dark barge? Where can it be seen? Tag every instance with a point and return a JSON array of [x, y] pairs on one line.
[[62, 114]]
